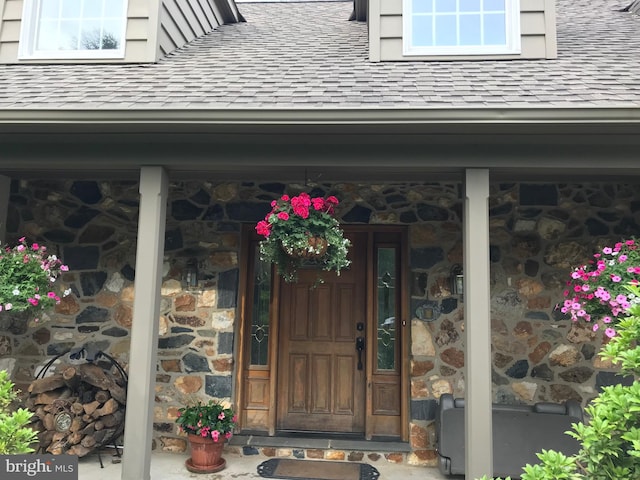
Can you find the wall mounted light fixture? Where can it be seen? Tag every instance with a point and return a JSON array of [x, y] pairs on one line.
[[190, 275], [456, 278]]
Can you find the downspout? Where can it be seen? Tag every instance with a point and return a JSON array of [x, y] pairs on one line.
[[5, 191]]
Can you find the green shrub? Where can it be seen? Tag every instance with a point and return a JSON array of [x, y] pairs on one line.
[[15, 436]]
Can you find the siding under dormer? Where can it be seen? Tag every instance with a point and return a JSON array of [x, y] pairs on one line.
[[181, 21], [537, 26]]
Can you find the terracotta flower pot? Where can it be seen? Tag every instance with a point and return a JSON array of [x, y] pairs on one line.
[[206, 454]]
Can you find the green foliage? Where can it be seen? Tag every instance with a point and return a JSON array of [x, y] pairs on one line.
[[554, 465], [15, 436]]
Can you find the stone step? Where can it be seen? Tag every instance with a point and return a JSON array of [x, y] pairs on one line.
[[316, 448]]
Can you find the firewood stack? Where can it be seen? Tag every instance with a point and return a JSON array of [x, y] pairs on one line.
[[77, 409]]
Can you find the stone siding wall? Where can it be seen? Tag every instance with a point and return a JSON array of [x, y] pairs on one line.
[[538, 231]]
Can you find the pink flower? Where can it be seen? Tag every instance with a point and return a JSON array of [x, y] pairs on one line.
[[607, 250], [595, 327], [610, 332], [20, 248], [616, 278], [35, 246], [318, 203], [221, 416], [8, 306], [263, 228], [285, 198], [215, 435], [64, 268], [622, 258], [21, 239], [283, 216], [228, 435], [606, 319], [51, 295]]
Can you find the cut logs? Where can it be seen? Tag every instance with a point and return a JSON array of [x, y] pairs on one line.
[[77, 409]]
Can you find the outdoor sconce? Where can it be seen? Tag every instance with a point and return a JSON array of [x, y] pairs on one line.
[[190, 275], [457, 280]]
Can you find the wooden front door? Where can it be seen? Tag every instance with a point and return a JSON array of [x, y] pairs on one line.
[[321, 380]]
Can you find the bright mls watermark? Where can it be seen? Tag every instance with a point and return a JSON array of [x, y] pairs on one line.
[[49, 467]]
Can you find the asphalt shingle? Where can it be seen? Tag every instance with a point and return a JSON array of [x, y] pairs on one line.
[[307, 55]]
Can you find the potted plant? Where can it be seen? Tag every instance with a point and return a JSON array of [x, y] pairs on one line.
[[208, 426], [302, 229], [27, 276]]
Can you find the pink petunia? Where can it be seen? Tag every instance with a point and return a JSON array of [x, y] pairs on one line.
[[622, 258], [607, 250], [610, 332], [616, 278], [64, 268], [606, 319], [283, 216], [595, 327]]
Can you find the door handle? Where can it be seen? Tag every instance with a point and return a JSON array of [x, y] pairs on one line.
[[360, 344]]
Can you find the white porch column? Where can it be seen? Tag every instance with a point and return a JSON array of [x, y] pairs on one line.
[[138, 431], [478, 397], [5, 186]]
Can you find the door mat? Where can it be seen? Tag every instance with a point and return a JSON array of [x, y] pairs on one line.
[[316, 470]]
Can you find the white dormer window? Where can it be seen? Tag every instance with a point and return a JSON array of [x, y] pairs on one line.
[[461, 27], [74, 29]]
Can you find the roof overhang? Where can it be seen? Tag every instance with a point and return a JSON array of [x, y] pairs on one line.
[[333, 144]]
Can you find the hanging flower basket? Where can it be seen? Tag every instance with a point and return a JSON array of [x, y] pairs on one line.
[[301, 230], [27, 277]]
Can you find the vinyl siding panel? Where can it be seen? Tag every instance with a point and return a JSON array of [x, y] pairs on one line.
[[181, 21], [537, 29], [140, 33]]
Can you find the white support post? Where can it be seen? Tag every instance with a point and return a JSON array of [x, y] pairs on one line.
[[478, 397], [5, 190], [144, 330]]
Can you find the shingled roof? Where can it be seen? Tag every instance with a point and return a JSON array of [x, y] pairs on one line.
[[309, 56]]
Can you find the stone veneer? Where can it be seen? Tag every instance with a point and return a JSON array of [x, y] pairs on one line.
[[538, 231]]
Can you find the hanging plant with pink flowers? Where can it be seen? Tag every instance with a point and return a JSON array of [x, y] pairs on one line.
[[27, 278], [302, 229], [598, 292]]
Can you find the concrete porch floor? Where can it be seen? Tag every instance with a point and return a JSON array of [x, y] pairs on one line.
[[168, 466]]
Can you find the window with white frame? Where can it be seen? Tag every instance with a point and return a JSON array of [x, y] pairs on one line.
[[73, 29], [461, 27]]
